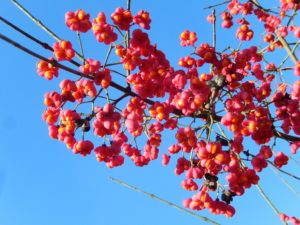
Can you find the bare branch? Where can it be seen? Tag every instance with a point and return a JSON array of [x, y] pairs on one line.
[[40, 24], [163, 201], [213, 6], [271, 204]]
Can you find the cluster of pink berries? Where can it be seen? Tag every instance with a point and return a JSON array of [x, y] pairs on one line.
[[179, 94]]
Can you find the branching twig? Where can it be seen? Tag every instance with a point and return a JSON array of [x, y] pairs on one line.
[[287, 48], [287, 57], [128, 91], [116, 101]]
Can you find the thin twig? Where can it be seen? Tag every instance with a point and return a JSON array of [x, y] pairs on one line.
[[269, 202], [214, 28], [127, 36], [282, 171], [40, 24], [53, 62], [263, 194], [281, 39], [219, 4], [287, 48], [34, 39], [293, 15], [81, 46], [116, 101], [43, 44], [286, 183], [107, 56], [297, 162], [113, 64], [247, 153], [164, 201], [214, 18], [287, 57], [117, 72], [256, 3]]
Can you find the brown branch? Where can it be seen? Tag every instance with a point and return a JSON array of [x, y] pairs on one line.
[[55, 63], [78, 73], [46, 45], [34, 39], [128, 4], [128, 90], [256, 3], [75, 72], [43, 44], [285, 136]]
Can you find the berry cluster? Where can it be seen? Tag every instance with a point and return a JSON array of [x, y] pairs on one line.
[[191, 103]]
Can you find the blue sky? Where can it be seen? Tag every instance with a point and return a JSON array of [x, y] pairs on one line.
[[44, 183]]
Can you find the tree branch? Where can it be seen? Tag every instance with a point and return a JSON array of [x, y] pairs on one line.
[[40, 24], [163, 201], [287, 48], [34, 39], [263, 194], [281, 39], [127, 90]]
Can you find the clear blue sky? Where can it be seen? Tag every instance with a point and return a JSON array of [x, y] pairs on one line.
[[43, 183]]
